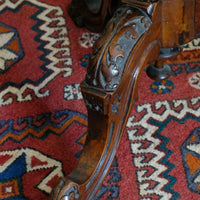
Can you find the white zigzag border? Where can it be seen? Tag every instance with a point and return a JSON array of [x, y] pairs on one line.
[[168, 110], [51, 56]]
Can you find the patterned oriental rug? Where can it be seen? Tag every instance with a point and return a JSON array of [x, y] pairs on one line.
[[43, 119]]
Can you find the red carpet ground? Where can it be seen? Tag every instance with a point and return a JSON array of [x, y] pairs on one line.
[[43, 119]]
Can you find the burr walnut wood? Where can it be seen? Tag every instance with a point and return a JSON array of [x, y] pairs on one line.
[[141, 32]]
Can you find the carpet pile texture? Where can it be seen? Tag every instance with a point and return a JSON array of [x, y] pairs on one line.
[[43, 118]]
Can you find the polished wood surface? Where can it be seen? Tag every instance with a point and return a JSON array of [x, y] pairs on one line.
[[139, 34]]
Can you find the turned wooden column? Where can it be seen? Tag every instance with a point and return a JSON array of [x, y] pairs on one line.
[[178, 22]]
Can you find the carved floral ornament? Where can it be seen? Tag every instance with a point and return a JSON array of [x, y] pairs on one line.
[[107, 64]]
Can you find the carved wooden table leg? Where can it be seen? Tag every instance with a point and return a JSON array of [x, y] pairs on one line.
[[130, 41], [133, 38]]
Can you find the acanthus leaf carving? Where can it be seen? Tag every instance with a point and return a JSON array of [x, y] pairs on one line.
[[109, 58], [109, 67]]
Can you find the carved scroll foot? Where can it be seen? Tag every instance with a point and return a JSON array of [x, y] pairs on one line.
[[130, 41]]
